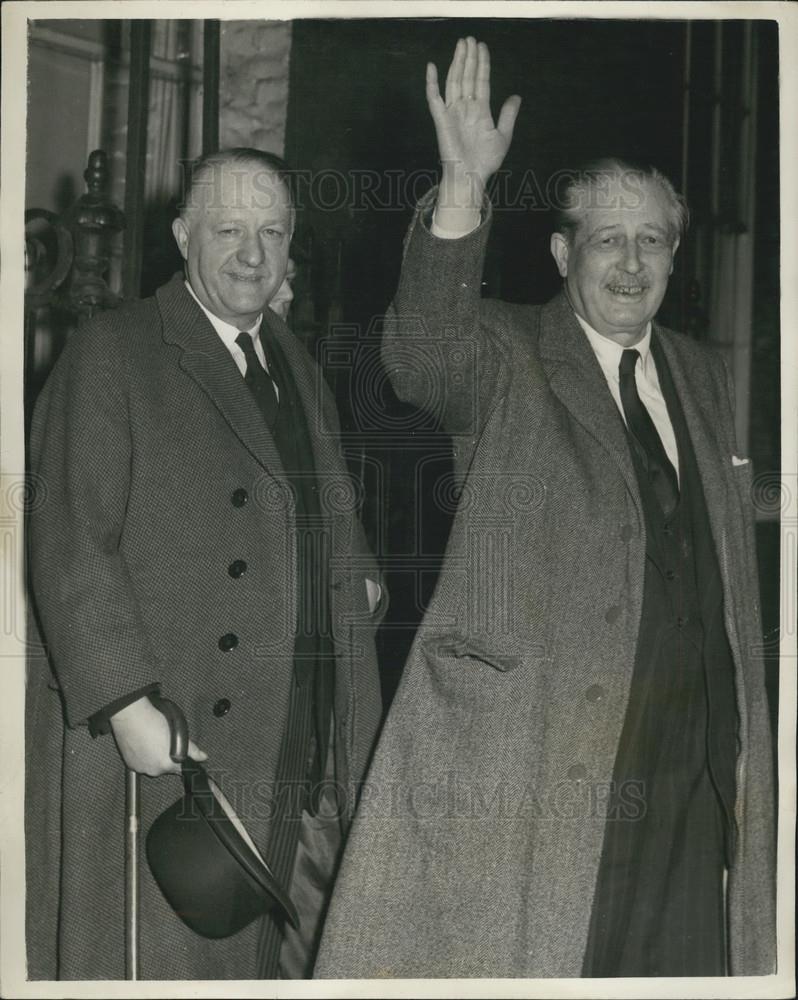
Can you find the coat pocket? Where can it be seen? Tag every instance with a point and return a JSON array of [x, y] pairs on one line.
[[460, 647]]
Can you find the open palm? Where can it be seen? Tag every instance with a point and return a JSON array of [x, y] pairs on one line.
[[467, 137]]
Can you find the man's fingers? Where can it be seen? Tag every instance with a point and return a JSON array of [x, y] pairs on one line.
[[469, 85], [195, 753], [433, 91], [483, 73], [172, 767], [454, 78], [508, 115], [154, 767], [168, 766]]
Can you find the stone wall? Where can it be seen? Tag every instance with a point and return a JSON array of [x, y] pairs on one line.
[[253, 98]]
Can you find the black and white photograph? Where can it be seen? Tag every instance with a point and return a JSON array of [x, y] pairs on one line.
[[399, 499]]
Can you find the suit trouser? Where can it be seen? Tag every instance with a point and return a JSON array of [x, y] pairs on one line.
[[659, 908]]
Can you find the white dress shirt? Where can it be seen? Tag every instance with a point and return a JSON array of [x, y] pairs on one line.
[[228, 333], [608, 354]]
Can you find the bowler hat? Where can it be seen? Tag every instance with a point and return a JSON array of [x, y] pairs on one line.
[[205, 862]]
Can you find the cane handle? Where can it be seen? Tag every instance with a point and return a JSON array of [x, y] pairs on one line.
[[178, 727]]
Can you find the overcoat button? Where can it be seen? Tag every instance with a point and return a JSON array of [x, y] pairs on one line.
[[237, 568], [239, 497], [577, 772], [626, 533], [228, 641], [670, 575], [612, 614], [595, 692], [222, 707]]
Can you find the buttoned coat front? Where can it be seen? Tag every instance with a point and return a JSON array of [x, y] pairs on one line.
[[155, 473], [477, 843]]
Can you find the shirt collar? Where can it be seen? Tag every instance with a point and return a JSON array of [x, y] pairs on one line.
[[226, 331], [608, 352]]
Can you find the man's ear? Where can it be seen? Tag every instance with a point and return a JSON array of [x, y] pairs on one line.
[[559, 251], [180, 233], [673, 253]]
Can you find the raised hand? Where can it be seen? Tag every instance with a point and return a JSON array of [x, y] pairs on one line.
[[471, 148]]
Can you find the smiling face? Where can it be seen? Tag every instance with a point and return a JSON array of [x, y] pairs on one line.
[[234, 237], [617, 263]]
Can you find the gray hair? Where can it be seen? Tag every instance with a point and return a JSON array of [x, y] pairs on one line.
[[245, 155], [581, 191]]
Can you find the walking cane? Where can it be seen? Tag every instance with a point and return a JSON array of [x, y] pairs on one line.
[[131, 875], [178, 749]]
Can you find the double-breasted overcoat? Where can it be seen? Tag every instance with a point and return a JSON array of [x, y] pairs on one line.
[[162, 549]]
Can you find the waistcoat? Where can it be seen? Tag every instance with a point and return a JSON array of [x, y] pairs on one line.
[[658, 907]]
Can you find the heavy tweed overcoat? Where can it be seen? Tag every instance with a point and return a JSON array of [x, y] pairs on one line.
[[476, 847], [155, 472]]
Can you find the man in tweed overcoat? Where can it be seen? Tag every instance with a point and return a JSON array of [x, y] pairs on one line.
[[575, 775], [164, 553]]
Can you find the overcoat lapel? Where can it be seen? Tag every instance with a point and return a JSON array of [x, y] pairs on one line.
[[208, 362], [316, 403], [336, 494], [691, 387], [577, 380]]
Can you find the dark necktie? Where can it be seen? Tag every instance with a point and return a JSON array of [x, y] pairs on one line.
[[259, 381], [648, 444]]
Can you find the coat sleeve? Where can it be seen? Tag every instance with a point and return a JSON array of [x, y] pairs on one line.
[[81, 457], [438, 353]]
